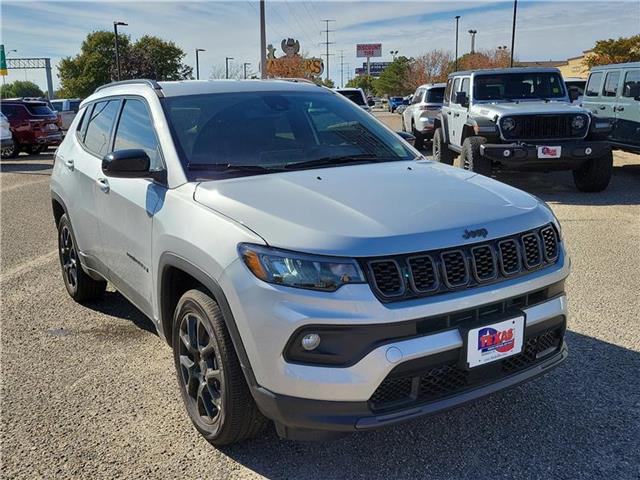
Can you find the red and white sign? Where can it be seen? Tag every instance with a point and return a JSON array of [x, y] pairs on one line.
[[549, 152], [494, 342], [368, 50]]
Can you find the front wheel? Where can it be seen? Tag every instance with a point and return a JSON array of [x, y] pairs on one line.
[[472, 159], [595, 174], [441, 152], [211, 380], [12, 150], [419, 141]]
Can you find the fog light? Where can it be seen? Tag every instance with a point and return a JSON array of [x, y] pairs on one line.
[[506, 153], [310, 341], [588, 151]]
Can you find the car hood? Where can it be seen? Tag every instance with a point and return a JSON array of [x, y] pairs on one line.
[[492, 110], [372, 209]]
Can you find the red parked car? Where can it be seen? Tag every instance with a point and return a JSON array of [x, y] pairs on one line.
[[34, 126]]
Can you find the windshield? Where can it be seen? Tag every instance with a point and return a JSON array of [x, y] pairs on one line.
[[514, 86], [270, 131], [435, 95], [354, 95]]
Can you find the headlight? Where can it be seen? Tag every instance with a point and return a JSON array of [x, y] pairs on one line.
[[300, 270], [578, 122], [508, 124]]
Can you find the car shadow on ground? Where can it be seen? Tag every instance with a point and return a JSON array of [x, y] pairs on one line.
[[18, 166], [116, 305], [582, 420]]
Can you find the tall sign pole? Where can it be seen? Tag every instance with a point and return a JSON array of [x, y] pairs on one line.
[[513, 30], [263, 43]]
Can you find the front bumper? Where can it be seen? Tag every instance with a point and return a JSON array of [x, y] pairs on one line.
[[525, 156], [53, 138]]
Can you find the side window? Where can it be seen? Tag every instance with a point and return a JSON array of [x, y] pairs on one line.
[[466, 86], [456, 87], [447, 91], [611, 84], [631, 84], [417, 97], [135, 130], [8, 110], [99, 129], [593, 85], [82, 126]]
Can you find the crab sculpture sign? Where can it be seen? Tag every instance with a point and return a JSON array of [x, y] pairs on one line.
[[292, 64]]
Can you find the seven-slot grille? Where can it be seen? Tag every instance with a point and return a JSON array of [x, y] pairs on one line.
[[429, 273], [530, 127]]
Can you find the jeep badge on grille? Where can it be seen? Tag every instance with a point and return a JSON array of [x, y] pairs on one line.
[[481, 232]]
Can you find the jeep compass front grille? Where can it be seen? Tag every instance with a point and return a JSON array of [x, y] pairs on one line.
[[430, 273]]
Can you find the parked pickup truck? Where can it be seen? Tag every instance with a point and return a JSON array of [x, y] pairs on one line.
[[67, 109]]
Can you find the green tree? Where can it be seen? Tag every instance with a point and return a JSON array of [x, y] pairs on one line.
[[614, 51], [393, 79], [325, 82], [20, 88], [365, 82], [157, 59]]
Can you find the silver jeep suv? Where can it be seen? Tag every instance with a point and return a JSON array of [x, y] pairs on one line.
[[305, 264]]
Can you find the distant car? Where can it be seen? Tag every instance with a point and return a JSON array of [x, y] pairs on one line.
[[357, 96], [67, 109], [401, 108], [419, 117], [575, 88], [613, 91], [33, 124], [5, 134], [395, 102]]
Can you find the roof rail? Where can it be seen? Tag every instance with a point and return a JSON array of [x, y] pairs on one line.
[[140, 81]]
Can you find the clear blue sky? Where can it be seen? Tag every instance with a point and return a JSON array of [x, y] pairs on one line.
[[546, 29]]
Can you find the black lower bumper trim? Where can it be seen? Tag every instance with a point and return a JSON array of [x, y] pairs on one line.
[[525, 156]]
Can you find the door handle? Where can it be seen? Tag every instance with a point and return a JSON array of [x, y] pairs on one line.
[[103, 183], [449, 112], [618, 109], [68, 163], [456, 114], [602, 107]]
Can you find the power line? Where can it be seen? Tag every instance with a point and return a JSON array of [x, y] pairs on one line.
[[303, 29], [327, 43]]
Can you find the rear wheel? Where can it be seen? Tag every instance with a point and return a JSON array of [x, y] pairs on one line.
[[419, 141], [11, 150], [472, 159], [211, 380], [441, 152], [595, 174], [80, 286]]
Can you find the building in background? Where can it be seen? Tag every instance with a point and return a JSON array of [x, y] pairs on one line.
[[376, 68], [571, 67]]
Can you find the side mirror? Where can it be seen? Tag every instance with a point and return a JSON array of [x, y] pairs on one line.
[[406, 136], [371, 102], [574, 94], [462, 99], [130, 163]]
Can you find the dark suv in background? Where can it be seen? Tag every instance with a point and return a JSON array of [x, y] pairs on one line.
[[34, 126]]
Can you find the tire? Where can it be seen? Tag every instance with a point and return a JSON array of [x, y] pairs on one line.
[[471, 158], [34, 149], [594, 175], [80, 286], [419, 141], [11, 151], [441, 152], [212, 384]]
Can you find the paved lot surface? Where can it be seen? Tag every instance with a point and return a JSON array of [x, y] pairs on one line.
[[89, 392]]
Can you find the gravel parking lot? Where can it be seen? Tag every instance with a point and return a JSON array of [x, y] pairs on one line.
[[90, 392]]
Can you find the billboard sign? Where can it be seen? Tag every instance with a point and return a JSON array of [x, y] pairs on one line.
[[368, 50]]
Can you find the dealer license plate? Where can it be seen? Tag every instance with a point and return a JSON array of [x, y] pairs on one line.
[[494, 342], [549, 152], [52, 126]]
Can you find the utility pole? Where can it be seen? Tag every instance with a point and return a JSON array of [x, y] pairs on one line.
[[473, 40], [198, 62], [263, 43], [513, 30], [457, 22], [326, 44], [244, 66], [115, 29], [341, 68], [226, 63]]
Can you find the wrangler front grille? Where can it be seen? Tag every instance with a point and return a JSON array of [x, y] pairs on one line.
[[430, 273], [538, 127]]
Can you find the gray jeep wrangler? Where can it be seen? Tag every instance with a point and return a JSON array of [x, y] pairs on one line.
[[521, 119]]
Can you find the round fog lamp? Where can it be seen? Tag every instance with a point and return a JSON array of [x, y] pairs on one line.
[[578, 122], [310, 341]]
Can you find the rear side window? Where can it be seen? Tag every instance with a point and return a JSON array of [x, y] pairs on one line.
[[57, 106], [456, 87], [611, 84], [435, 95], [82, 126], [38, 109], [135, 130], [593, 85], [99, 129], [466, 86], [631, 84], [74, 105]]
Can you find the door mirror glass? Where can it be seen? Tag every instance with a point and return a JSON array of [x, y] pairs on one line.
[[129, 163], [574, 94], [462, 99], [407, 137]]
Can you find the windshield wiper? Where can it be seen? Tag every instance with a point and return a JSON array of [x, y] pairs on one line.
[[341, 160], [229, 167]]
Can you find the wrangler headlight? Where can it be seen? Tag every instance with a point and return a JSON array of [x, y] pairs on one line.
[[508, 124], [578, 122], [300, 270]]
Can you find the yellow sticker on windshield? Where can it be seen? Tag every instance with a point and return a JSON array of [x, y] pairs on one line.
[[556, 90]]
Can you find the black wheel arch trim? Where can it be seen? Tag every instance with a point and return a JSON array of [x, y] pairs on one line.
[[169, 259]]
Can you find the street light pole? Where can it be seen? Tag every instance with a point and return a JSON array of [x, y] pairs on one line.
[[263, 43], [198, 62], [226, 61], [457, 22], [244, 65], [513, 30], [115, 29]]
